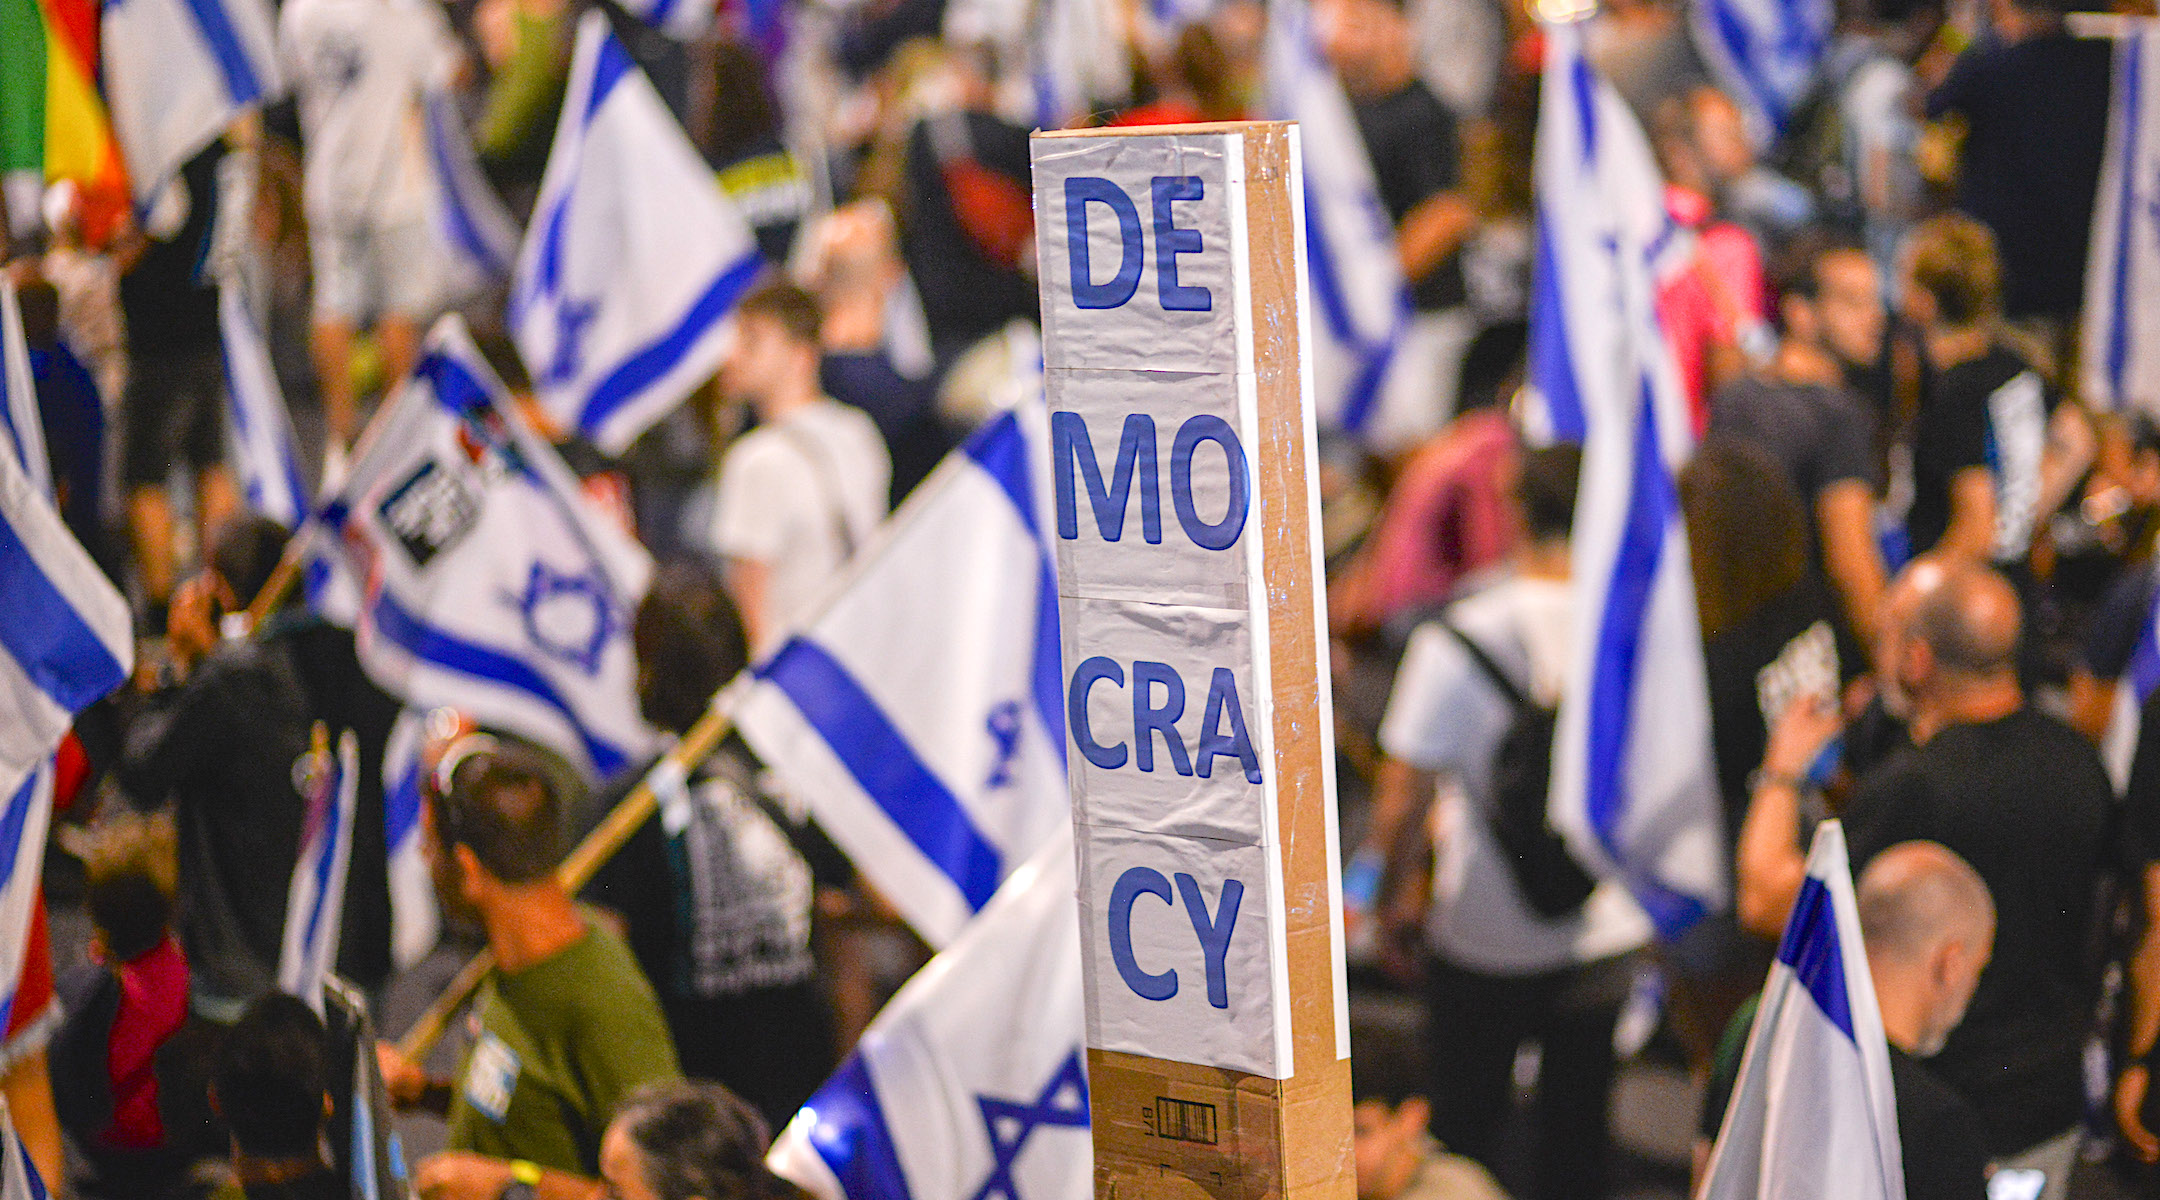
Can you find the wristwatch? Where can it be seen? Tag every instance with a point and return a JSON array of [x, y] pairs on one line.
[[524, 1182]]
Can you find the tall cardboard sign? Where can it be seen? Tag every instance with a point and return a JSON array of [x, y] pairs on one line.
[[1199, 730]]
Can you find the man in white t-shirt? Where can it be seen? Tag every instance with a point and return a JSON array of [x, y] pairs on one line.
[[1497, 972], [361, 70], [799, 494]]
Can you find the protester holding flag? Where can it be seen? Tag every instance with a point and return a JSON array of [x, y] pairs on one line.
[[715, 895], [220, 746], [566, 1024], [2015, 792], [1784, 1094]]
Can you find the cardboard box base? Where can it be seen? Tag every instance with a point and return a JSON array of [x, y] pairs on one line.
[[1177, 1131]]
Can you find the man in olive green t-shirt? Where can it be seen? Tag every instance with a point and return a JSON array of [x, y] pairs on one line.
[[568, 1026]]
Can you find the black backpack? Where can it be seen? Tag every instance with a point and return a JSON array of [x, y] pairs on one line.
[[1537, 856]]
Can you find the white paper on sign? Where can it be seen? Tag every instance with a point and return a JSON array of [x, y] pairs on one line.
[[1151, 483], [1153, 257], [1177, 941], [1162, 717]]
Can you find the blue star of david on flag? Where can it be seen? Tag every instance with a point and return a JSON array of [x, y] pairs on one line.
[[568, 616], [1064, 1101]]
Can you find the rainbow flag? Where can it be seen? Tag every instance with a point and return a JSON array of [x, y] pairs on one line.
[[52, 123]]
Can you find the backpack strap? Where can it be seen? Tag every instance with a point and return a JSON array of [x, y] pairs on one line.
[[1487, 665]]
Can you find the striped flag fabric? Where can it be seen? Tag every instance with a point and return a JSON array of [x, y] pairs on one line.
[[20, 420], [489, 583], [920, 717], [1633, 790], [972, 1082], [1813, 1113], [264, 452], [177, 73], [415, 921], [2120, 358], [315, 904], [66, 643], [19, 1178], [53, 125], [1354, 275], [1766, 54], [634, 260], [470, 218]]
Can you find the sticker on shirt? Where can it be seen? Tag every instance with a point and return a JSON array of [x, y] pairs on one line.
[[2017, 441], [491, 1078]]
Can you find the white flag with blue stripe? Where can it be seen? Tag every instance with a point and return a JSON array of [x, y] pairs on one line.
[[1766, 54], [491, 585], [415, 922], [18, 1175], [470, 218], [1633, 789], [634, 260], [27, 810], [920, 717], [176, 74], [20, 422], [265, 455], [1813, 1113], [1354, 274], [315, 904], [2121, 352], [972, 1082], [64, 644]]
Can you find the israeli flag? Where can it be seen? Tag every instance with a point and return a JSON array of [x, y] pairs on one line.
[[470, 218], [19, 1179], [264, 453], [177, 72], [1812, 1113], [20, 420], [973, 1081], [1632, 789], [1355, 277], [315, 904], [634, 260], [28, 809], [920, 717], [490, 585], [1766, 54], [2120, 359], [415, 922], [64, 644]]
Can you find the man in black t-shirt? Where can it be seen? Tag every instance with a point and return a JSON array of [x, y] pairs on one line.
[[1798, 411], [1981, 443], [2035, 104], [2023, 798], [1928, 923]]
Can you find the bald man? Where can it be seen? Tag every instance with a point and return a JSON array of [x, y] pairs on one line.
[[1929, 926], [2015, 792]]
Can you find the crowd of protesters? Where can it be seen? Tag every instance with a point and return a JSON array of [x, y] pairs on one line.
[[1924, 565]]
